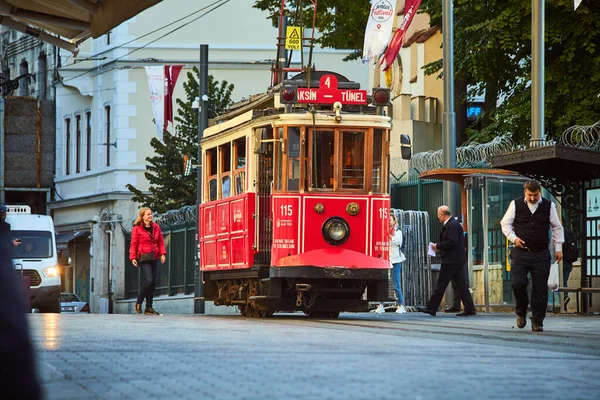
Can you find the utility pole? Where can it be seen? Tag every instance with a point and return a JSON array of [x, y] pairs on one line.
[[202, 125], [449, 116], [537, 73]]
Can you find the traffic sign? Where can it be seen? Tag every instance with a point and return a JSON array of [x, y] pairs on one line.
[[328, 93], [293, 38]]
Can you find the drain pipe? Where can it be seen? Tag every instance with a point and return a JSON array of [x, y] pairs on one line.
[[110, 253]]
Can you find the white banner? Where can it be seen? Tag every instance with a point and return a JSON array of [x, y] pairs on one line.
[[577, 3], [156, 81], [379, 28]]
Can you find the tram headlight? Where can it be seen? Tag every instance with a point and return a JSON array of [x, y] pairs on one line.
[[336, 231]]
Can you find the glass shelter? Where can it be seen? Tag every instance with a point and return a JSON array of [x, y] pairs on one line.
[[488, 197]]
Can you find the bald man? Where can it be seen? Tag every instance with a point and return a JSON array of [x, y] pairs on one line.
[[452, 251]]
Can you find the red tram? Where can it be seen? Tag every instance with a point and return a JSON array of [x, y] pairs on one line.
[[295, 201]]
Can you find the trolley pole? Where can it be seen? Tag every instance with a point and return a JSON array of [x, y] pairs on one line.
[[202, 125]]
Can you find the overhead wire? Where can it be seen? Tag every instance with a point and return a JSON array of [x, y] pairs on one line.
[[216, 5]]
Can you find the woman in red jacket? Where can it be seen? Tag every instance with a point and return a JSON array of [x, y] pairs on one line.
[[146, 248]]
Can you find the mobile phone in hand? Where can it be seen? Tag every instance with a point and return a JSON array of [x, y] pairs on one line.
[[18, 240]]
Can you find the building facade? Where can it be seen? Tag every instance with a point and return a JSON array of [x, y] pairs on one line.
[[27, 132]]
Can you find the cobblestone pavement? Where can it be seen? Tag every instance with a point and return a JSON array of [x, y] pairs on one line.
[[358, 356]]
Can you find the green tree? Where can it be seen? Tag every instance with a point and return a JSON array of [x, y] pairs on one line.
[[493, 50], [341, 24], [492, 53], [169, 189]]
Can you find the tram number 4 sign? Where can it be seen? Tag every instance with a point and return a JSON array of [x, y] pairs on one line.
[[328, 93]]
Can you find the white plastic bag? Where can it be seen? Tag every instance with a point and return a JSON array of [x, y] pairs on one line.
[[553, 277]]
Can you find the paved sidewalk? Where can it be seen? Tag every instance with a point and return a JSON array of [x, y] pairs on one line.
[[358, 356]]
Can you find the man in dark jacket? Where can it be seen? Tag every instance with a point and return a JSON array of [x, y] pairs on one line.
[[526, 224], [452, 251]]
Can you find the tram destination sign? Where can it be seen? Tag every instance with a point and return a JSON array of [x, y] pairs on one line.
[[328, 93]]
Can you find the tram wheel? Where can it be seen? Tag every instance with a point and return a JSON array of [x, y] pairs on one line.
[[322, 314], [243, 309], [265, 313]]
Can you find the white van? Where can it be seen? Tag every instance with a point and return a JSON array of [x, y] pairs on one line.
[[36, 256]]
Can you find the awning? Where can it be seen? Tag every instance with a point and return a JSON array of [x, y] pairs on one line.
[[75, 20], [63, 239], [558, 162]]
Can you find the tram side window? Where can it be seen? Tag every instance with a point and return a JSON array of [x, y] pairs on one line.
[[353, 161], [211, 162], [225, 174], [279, 159], [293, 165], [306, 152], [377, 161], [322, 159], [239, 173]]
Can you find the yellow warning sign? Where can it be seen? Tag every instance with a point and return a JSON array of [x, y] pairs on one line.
[[293, 38]]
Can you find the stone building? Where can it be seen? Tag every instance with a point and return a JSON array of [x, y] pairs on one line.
[[27, 128]]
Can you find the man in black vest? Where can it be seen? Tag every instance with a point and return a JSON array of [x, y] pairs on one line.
[[526, 224], [452, 251]]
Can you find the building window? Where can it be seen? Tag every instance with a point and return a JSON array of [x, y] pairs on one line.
[[77, 143], [88, 141], [108, 37], [24, 81], [107, 111], [42, 76], [68, 146]]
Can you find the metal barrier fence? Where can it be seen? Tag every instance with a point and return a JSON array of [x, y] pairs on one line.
[[416, 269]]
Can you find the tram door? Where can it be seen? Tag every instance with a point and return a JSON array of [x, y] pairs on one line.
[[488, 197], [265, 185]]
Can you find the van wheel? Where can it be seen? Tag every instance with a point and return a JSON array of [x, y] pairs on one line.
[[52, 309]]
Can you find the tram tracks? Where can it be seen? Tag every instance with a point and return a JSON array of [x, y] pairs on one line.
[[582, 343]]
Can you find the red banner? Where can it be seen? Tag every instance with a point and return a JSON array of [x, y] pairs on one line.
[[393, 48], [171, 75]]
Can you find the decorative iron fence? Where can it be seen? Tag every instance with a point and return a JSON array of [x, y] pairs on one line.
[[176, 275]]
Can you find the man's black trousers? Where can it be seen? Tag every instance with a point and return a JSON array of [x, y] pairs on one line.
[[537, 263], [447, 273]]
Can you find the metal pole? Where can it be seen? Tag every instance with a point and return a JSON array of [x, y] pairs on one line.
[[448, 116], [283, 53], [537, 73], [202, 125]]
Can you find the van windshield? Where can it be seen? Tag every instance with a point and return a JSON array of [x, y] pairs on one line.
[[34, 244]]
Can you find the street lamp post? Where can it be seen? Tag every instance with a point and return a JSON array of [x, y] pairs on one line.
[[202, 125]]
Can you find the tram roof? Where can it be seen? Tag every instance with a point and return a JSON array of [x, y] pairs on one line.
[[322, 119]]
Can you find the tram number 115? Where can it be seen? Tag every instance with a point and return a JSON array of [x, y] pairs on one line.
[[286, 210]]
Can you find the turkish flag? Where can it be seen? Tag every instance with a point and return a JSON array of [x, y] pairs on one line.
[[171, 75], [393, 48]]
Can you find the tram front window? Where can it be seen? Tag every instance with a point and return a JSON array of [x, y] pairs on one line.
[[323, 159], [353, 162]]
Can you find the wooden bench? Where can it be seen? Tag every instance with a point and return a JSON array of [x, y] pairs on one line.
[[579, 292]]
